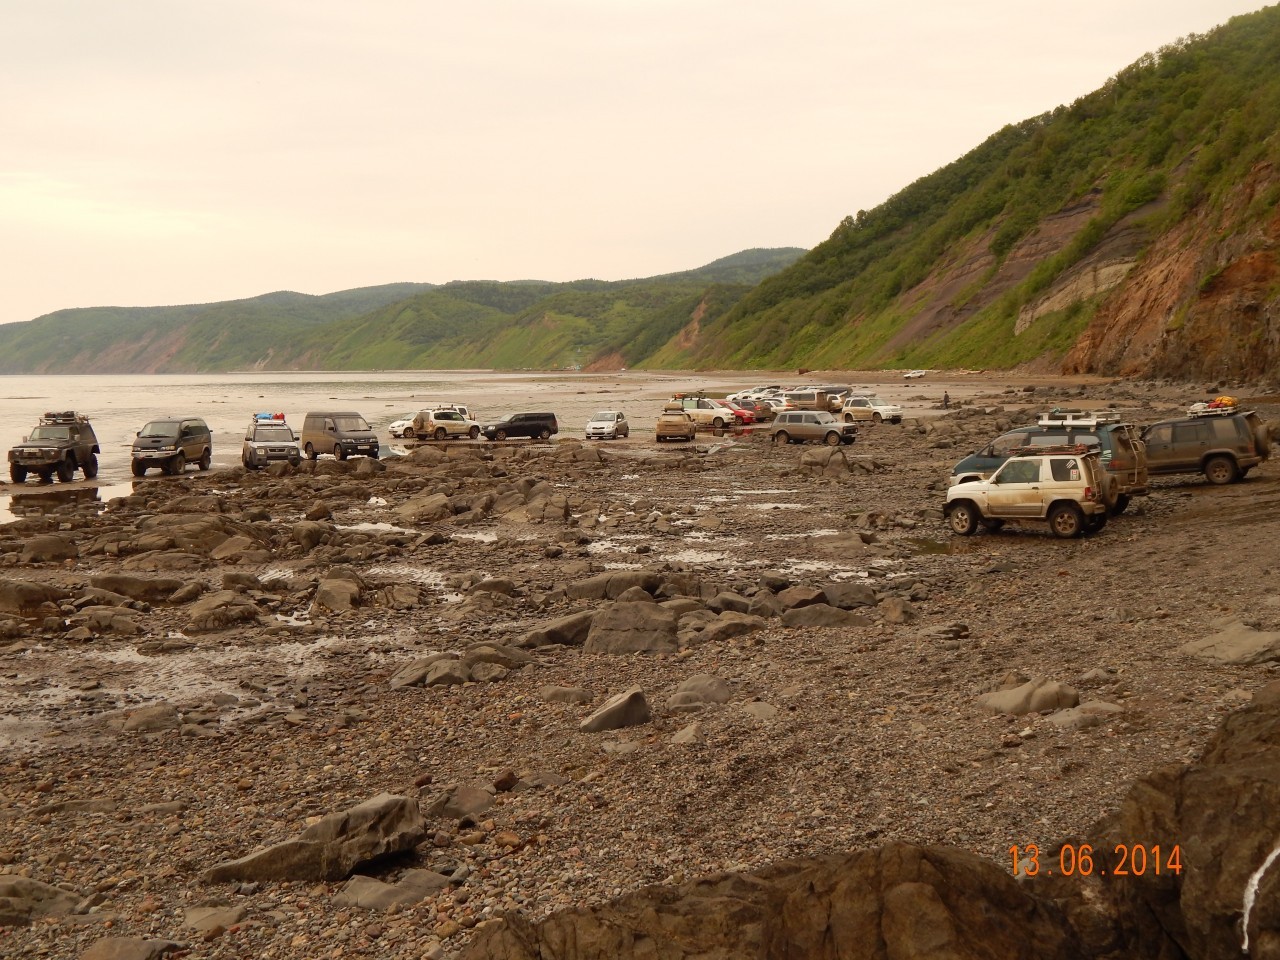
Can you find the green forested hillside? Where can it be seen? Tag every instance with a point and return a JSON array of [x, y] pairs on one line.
[[1168, 139], [462, 324]]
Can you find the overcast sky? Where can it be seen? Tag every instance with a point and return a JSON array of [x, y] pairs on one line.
[[171, 151]]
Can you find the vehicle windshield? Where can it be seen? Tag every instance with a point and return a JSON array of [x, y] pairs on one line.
[[602, 415], [160, 428], [505, 417], [350, 423], [51, 433], [826, 418], [274, 434]]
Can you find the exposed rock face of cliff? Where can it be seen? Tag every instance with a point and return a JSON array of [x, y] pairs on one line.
[[1202, 302]]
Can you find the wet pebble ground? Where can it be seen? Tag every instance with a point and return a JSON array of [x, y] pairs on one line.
[[273, 700]]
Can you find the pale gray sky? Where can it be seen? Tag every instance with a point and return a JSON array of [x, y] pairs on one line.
[[172, 151]]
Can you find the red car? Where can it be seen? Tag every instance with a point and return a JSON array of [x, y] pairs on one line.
[[743, 415]]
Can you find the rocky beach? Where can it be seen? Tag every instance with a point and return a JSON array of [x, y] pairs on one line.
[[372, 708]]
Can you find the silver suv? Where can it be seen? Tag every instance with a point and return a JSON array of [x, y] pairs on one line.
[[267, 440], [797, 426], [866, 407], [443, 424], [1219, 440], [1062, 486]]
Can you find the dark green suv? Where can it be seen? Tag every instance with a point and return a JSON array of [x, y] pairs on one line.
[[60, 443]]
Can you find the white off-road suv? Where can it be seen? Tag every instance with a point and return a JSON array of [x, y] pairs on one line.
[[1060, 485], [868, 407]]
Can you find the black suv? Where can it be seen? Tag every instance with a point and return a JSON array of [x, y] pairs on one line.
[[1123, 455], [59, 444], [1219, 440], [170, 444], [540, 425]]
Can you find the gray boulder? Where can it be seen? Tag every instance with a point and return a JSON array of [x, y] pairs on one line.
[[367, 893], [219, 610], [1031, 697], [823, 615], [570, 631], [332, 848], [632, 628], [627, 709], [23, 900], [1237, 644]]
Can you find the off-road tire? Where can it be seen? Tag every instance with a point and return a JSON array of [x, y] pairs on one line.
[[1066, 521], [66, 470], [544, 434], [1121, 504], [717, 423], [17, 473], [138, 468], [46, 474], [781, 437], [1095, 523], [90, 467], [992, 524], [1221, 470], [441, 433], [848, 418], [500, 435], [408, 433], [206, 459], [338, 452], [876, 418], [177, 465], [309, 452], [963, 518], [832, 439], [473, 433], [248, 465]]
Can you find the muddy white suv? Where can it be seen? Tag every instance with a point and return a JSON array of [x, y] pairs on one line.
[[1061, 485], [869, 407]]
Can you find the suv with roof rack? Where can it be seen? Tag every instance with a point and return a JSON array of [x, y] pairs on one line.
[[1059, 485], [269, 440], [1217, 439], [61, 443], [1122, 453]]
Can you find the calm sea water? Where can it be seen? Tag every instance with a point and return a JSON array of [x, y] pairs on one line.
[[120, 405]]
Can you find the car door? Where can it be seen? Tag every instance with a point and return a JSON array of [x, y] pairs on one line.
[[1015, 490]]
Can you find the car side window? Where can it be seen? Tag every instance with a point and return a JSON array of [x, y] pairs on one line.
[[1019, 471], [1190, 433], [1158, 434], [1065, 470], [1005, 445]]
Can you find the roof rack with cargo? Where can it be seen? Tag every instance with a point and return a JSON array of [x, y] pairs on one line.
[[1065, 417]]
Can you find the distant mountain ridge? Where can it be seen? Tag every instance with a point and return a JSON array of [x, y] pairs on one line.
[[515, 324], [1135, 232]]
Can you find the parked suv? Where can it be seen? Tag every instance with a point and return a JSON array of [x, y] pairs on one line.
[[1121, 450], [170, 444], [403, 427], [540, 425], [344, 433], [707, 412], [674, 423], [797, 426], [268, 440], [869, 408], [1061, 485], [60, 443], [1221, 441], [442, 424]]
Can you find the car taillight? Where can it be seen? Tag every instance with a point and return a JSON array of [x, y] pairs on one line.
[[1088, 494]]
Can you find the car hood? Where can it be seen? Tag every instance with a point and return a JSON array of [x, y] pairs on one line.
[[40, 445], [153, 443]]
